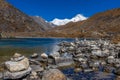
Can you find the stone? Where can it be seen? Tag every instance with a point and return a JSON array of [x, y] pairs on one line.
[[52, 66], [97, 52], [1, 75], [103, 63], [53, 74], [118, 78], [33, 75], [63, 61], [35, 55], [32, 61], [72, 44], [43, 55], [96, 64], [18, 58], [37, 68], [16, 75], [110, 57], [104, 76], [88, 70], [109, 69], [55, 54], [110, 61], [81, 59], [77, 69], [117, 71], [17, 66], [71, 48], [16, 55], [117, 65], [78, 55]]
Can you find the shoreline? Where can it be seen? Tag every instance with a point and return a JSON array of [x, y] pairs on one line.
[[85, 56], [55, 38]]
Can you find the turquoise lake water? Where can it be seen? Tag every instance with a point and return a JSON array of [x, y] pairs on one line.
[[28, 46]]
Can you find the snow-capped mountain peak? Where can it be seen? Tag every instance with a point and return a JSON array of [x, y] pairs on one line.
[[78, 17], [59, 22]]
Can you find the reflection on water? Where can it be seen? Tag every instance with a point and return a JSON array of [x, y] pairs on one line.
[[29, 46]]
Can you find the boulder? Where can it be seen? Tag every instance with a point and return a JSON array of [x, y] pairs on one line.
[[33, 75], [37, 68], [16, 55], [72, 44], [13, 66], [56, 54], [16, 75], [117, 71], [110, 57], [109, 69], [1, 75], [34, 55], [53, 74], [43, 55], [18, 58], [77, 69]]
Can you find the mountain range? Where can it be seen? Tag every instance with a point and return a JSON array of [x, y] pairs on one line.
[[101, 25], [15, 23], [59, 22]]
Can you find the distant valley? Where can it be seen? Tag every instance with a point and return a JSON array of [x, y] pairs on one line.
[[14, 23]]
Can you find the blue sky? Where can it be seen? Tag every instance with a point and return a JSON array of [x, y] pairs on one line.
[[50, 9]]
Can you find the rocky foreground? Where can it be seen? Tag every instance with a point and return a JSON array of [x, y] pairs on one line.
[[84, 59]]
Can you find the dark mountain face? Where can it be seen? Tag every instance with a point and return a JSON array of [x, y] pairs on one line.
[[13, 20], [45, 25]]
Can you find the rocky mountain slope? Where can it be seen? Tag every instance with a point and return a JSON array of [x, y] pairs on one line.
[[107, 22], [105, 25], [14, 23], [71, 29], [13, 20], [43, 23]]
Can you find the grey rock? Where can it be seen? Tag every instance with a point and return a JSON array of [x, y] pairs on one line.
[[17, 66], [53, 74], [117, 71], [55, 54], [88, 70], [16, 75], [1, 75], [44, 55], [34, 55], [37, 68], [33, 75], [18, 58]]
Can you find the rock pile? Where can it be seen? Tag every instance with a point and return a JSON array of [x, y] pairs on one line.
[[17, 67], [93, 55]]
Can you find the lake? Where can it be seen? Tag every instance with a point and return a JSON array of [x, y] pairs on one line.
[[28, 46]]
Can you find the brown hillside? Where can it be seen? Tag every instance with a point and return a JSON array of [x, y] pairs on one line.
[[107, 22], [71, 29], [13, 20]]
